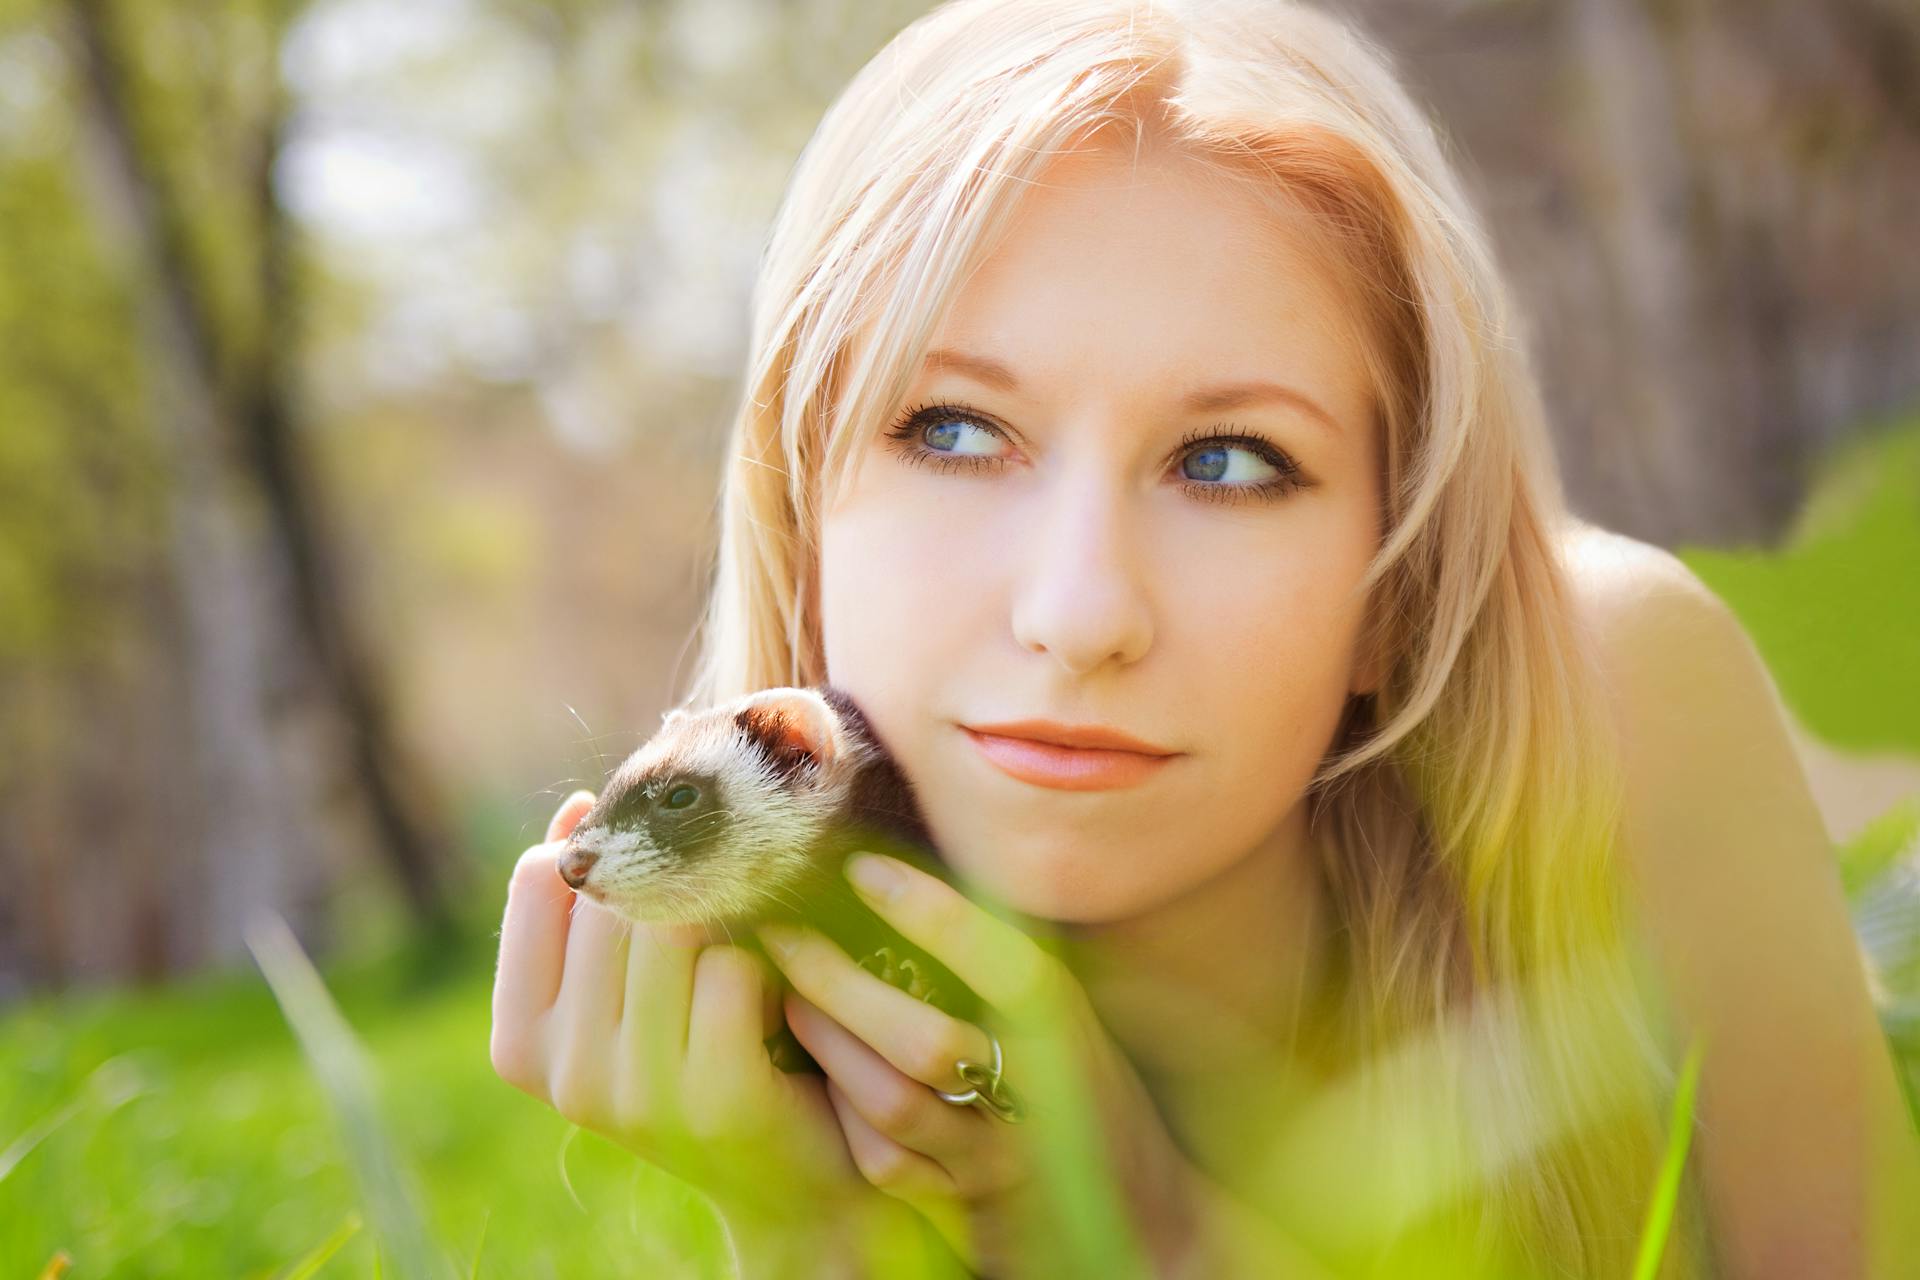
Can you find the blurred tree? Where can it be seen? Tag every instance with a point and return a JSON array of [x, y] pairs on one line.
[[227, 410], [1705, 207], [179, 116]]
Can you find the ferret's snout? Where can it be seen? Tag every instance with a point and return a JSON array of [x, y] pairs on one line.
[[574, 864]]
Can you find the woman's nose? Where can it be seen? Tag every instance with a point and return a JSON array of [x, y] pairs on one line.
[[1081, 593]]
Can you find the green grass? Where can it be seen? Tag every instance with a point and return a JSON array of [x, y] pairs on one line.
[[1660, 1210], [190, 1138]]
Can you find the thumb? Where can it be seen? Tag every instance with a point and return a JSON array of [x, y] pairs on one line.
[[571, 810]]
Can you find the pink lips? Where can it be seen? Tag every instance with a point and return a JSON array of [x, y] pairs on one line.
[[1046, 764]]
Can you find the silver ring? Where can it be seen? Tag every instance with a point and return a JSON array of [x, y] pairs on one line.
[[990, 1093]]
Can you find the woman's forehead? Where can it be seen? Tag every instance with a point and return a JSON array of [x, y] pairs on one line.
[[1152, 255], [1198, 327]]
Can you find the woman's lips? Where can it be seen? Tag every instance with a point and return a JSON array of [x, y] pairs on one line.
[[1065, 768]]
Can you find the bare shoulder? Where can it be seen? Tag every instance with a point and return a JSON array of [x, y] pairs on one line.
[[1799, 1114], [1681, 673], [1622, 584]]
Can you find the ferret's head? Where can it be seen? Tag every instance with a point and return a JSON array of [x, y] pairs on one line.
[[716, 817]]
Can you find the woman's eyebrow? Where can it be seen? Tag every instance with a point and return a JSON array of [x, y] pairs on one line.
[[1231, 395]]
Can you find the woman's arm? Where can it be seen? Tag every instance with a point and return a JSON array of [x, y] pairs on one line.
[[1808, 1158]]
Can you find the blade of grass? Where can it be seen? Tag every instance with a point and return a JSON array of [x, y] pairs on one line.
[[566, 1180], [306, 1266], [1878, 845], [36, 1133], [474, 1273], [386, 1189], [114, 1082], [1653, 1240]]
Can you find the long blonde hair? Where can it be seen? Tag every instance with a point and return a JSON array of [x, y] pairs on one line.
[[1468, 810]]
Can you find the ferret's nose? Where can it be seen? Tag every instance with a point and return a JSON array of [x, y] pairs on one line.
[[574, 865]]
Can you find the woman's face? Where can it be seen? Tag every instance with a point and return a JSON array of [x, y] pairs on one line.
[[1077, 543]]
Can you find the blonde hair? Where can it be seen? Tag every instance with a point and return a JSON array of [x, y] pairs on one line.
[[1468, 809]]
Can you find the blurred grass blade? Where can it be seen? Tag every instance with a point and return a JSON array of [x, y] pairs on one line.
[[566, 1179], [36, 1133], [1385, 1148], [1879, 845], [478, 1246], [335, 1055], [1653, 1241], [306, 1266], [114, 1083]]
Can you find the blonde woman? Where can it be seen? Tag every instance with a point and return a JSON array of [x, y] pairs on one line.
[[1142, 368]]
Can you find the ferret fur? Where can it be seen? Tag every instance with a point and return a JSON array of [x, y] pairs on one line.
[[743, 814]]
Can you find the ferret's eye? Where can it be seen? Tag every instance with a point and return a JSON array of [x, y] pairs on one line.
[[681, 797]]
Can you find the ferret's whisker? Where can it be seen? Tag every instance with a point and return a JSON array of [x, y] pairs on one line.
[[788, 897], [599, 755], [553, 790]]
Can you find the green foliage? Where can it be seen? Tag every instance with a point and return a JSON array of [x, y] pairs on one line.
[[80, 486], [1836, 611], [1879, 845]]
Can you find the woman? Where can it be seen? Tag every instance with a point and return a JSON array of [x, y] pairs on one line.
[[1144, 367]]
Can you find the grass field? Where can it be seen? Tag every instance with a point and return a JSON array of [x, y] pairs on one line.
[[183, 1132]]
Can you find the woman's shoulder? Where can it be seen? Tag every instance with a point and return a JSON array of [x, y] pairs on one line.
[[1740, 897], [1654, 626], [1616, 579]]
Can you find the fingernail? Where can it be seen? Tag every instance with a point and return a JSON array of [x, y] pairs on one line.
[[877, 877]]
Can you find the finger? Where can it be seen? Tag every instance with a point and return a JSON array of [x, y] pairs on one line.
[[568, 815], [894, 1104], [653, 1015], [904, 1174], [726, 1065], [593, 985], [533, 939], [1002, 965], [920, 1041]]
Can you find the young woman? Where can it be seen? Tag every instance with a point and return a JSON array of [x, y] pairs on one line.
[[1142, 369]]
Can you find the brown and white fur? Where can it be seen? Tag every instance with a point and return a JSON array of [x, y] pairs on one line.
[[743, 814]]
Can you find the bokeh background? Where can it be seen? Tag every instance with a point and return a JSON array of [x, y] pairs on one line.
[[364, 373]]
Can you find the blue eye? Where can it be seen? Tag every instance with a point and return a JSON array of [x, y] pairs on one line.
[[940, 425], [943, 432], [1215, 460], [681, 797]]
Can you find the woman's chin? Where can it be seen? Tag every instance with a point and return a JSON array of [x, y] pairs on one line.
[[1062, 889]]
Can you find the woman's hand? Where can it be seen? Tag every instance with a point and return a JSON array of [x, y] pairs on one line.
[[650, 1037], [974, 1175]]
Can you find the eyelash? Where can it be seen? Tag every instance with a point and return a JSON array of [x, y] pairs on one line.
[[906, 430]]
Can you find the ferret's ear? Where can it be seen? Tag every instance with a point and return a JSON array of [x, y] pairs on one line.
[[793, 727], [675, 716]]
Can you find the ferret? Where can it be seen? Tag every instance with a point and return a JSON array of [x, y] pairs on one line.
[[743, 815]]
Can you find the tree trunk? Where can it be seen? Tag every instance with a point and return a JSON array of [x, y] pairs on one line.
[[262, 617]]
